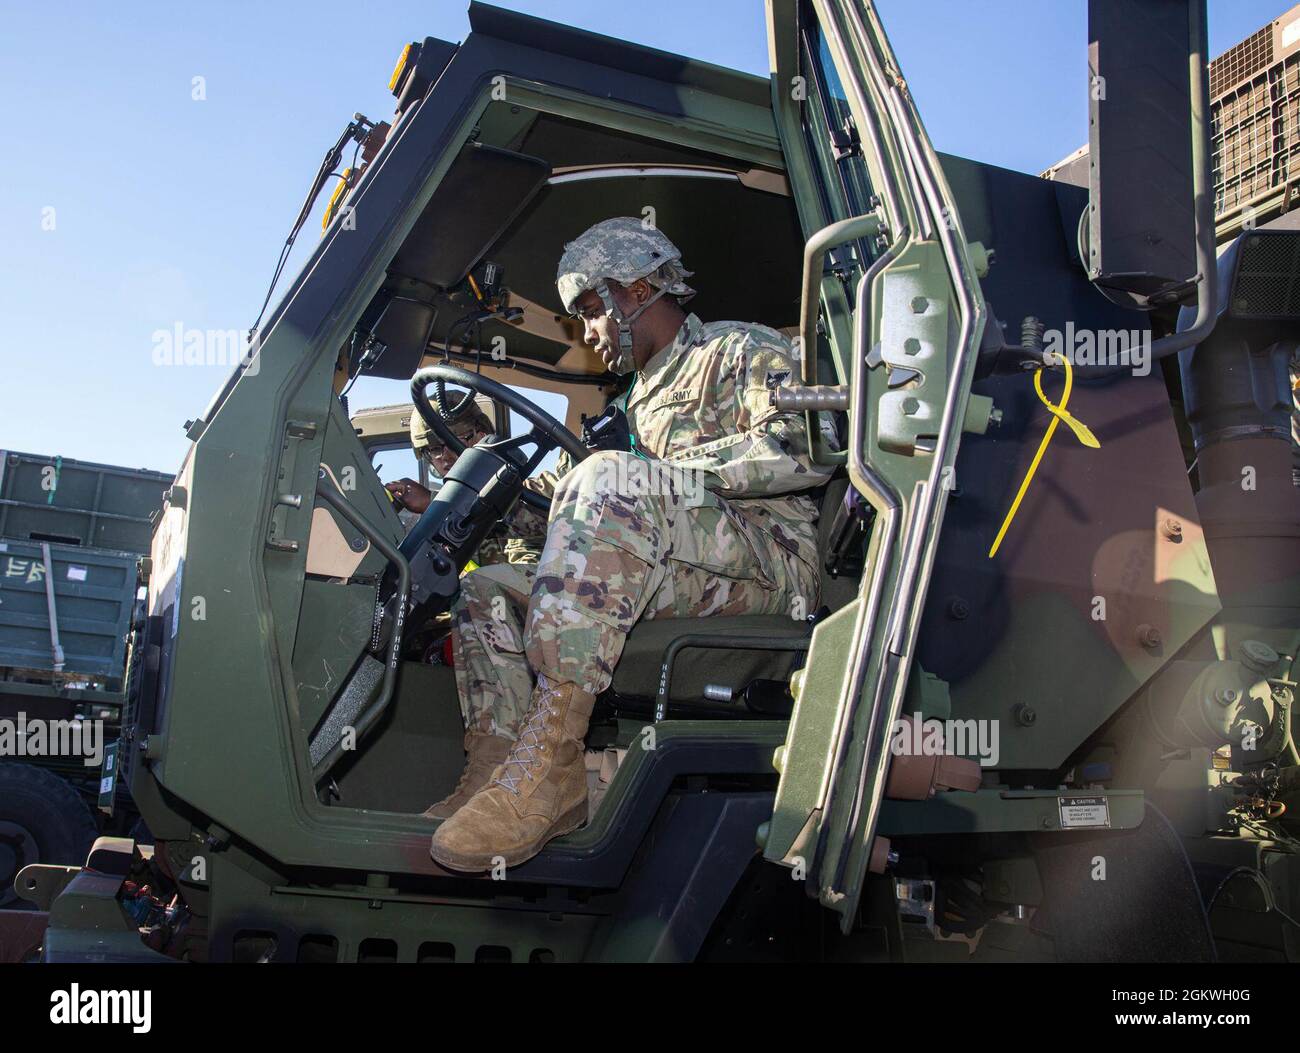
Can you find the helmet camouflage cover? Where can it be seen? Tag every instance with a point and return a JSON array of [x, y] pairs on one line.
[[623, 249], [477, 416]]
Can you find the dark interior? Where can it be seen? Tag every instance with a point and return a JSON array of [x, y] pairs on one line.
[[498, 204]]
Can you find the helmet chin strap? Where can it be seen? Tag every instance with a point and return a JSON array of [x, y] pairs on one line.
[[625, 362]]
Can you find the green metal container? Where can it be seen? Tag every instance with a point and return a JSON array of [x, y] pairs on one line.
[[81, 503], [92, 592]]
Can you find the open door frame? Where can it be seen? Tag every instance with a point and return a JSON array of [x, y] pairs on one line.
[[917, 306]]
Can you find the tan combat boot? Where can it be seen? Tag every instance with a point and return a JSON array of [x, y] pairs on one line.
[[482, 755], [539, 792]]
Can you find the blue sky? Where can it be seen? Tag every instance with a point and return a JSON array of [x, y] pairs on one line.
[[167, 209]]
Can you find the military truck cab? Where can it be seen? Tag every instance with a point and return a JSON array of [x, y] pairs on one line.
[[284, 742]]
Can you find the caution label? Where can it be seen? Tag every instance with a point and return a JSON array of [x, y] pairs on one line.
[[1083, 811]]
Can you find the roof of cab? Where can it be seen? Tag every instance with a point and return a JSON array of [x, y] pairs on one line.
[[633, 58]]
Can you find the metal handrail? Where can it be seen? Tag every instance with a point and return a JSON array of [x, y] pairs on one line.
[[326, 489]]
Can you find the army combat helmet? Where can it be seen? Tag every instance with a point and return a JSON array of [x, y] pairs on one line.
[[476, 415], [624, 250]]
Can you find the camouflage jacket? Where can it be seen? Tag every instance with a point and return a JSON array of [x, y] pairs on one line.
[[496, 547], [704, 404], [516, 539], [523, 531], [525, 525]]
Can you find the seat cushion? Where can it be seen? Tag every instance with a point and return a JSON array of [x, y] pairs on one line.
[[637, 673]]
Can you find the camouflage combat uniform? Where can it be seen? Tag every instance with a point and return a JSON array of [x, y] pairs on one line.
[[707, 516], [492, 549], [519, 537], [516, 539]]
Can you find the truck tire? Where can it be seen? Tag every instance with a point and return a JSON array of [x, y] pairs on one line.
[[42, 820]]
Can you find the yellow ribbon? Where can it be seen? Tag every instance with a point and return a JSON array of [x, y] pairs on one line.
[[1059, 413]]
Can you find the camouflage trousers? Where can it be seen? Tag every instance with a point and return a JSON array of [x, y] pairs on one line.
[[614, 554]]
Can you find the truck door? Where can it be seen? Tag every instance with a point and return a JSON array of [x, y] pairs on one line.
[[892, 318]]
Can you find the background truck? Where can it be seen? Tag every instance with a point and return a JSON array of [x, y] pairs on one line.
[[71, 534]]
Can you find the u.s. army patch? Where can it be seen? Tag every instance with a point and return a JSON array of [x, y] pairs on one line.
[[680, 397], [776, 377]]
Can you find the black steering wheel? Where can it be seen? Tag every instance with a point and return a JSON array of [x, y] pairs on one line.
[[546, 433]]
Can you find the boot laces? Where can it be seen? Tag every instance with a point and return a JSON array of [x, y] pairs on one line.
[[523, 755]]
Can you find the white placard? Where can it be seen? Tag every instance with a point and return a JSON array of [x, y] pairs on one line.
[[1084, 811]]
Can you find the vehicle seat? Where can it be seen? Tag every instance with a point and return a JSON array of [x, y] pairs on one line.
[[637, 674]]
